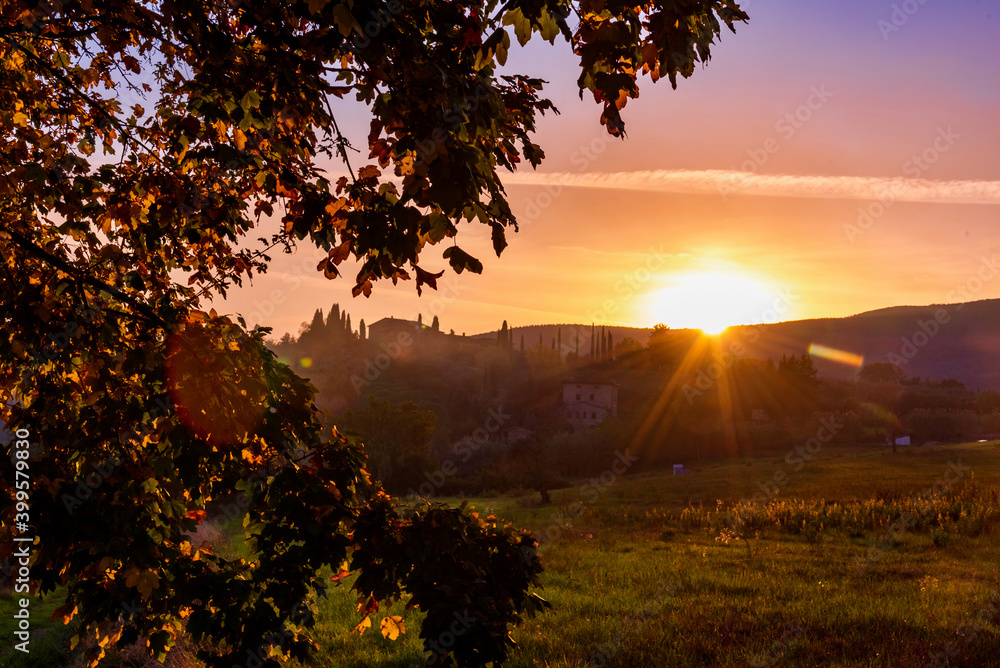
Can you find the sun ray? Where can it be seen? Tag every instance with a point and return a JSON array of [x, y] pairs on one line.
[[668, 404]]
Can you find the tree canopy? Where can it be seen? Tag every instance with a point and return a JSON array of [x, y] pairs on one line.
[[143, 146]]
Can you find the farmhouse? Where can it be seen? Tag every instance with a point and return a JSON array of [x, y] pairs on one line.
[[390, 328], [588, 403]]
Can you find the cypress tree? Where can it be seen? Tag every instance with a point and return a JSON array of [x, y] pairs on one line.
[[361, 330]]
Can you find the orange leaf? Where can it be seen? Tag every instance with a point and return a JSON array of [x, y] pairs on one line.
[[391, 627], [341, 252], [365, 624], [197, 515], [365, 288]]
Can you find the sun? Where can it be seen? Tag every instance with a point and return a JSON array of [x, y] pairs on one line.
[[711, 301]]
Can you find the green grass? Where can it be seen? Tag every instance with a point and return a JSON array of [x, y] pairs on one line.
[[637, 576]]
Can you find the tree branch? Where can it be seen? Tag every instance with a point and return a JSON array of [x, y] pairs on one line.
[[33, 249]]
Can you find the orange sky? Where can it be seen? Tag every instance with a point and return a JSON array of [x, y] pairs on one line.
[[820, 92]]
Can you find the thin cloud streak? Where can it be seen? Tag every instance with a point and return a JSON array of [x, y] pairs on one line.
[[728, 182]]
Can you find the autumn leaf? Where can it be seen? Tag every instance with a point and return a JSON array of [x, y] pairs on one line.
[[63, 614], [316, 6], [365, 287], [392, 626], [460, 260], [365, 624], [340, 253], [144, 581], [369, 172], [196, 515], [426, 278], [335, 206], [499, 238]]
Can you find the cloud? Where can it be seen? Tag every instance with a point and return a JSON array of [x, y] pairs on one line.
[[727, 182]]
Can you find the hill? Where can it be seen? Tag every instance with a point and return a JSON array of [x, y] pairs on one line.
[[935, 342], [960, 341]]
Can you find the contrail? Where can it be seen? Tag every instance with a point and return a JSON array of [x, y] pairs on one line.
[[726, 182]]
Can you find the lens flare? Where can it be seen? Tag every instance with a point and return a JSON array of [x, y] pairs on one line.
[[838, 356]]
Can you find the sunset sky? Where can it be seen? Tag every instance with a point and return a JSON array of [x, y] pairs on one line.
[[757, 182]]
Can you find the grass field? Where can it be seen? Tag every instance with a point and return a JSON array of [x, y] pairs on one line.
[[844, 566]]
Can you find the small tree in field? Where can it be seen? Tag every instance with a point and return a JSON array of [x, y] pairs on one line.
[[396, 438], [143, 147]]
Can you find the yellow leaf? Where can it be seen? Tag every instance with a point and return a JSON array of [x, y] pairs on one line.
[[20, 118], [333, 207], [240, 138], [392, 626], [365, 624]]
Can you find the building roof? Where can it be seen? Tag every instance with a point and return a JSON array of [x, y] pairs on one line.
[[582, 381], [398, 322]]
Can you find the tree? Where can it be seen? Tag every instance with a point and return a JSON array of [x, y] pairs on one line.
[[660, 335], [436, 324], [347, 327], [627, 347], [118, 222], [798, 367], [881, 372], [314, 331], [503, 336], [333, 319], [396, 438], [362, 332]]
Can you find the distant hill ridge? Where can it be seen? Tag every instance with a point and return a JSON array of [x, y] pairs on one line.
[[937, 341]]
